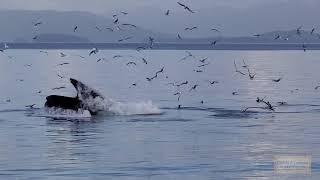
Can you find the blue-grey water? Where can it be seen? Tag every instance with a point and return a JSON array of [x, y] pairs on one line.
[[209, 140]]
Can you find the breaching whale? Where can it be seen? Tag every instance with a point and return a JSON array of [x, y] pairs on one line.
[[86, 99]]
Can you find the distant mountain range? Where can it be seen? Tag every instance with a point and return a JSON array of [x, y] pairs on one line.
[[53, 26]]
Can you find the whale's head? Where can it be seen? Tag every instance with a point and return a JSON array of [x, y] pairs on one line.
[[91, 99]]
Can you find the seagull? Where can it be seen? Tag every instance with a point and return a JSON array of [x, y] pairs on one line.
[[57, 88], [37, 24], [61, 77], [214, 43], [193, 87], [304, 47], [131, 62], [244, 64], [203, 60], [251, 76], [160, 71], [62, 64], [277, 37], [179, 37], [215, 29], [185, 7], [140, 48], [124, 13], [117, 56], [99, 29], [213, 82], [6, 46], [198, 71], [125, 39], [257, 35], [178, 94], [234, 93], [30, 106], [93, 51], [35, 37], [317, 87], [189, 55], [151, 40], [150, 79], [191, 28], [75, 28], [45, 52], [235, 66], [118, 28], [167, 13], [299, 30], [131, 25], [276, 80], [144, 61], [312, 31], [100, 59], [183, 83], [62, 55], [116, 21], [203, 65], [110, 29]]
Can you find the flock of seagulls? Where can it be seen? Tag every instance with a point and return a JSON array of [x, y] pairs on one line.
[[244, 69]]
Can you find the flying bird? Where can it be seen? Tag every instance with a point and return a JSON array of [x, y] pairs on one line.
[[116, 21], [215, 29], [125, 39], [93, 51], [189, 55], [144, 61], [57, 88], [37, 23], [110, 29], [312, 31], [99, 29], [179, 37], [214, 43], [190, 28], [277, 37], [131, 25], [61, 64], [30, 106], [75, 28], [193, 87], [167, 13], [185, 7], [298, 31], [237, 70], [140, 48], [45, 52], [62, 55], [276, 80], [151, 41], [202, 65], [203, 60], [131, 63]]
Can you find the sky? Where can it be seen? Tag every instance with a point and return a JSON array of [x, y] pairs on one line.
[[234, 17]]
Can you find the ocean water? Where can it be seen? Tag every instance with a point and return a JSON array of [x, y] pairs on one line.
[[147, 136]]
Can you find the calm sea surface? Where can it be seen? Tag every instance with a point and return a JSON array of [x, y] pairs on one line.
[[212, 139]]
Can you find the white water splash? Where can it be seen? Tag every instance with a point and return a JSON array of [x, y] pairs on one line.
[[139, 108], [65, 113]]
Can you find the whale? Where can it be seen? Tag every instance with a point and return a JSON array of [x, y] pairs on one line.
[[86, 99]]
